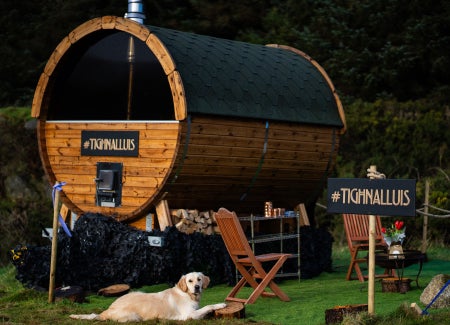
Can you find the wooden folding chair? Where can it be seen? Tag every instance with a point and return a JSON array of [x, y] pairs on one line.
[[357, 233], [249, 265]]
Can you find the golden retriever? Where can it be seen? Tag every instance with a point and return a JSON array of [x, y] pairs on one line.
[[180, 302]]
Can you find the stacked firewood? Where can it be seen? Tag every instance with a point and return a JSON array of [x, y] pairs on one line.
[[190, 221]]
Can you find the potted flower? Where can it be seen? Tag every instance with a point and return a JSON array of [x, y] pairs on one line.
[[394, 236]]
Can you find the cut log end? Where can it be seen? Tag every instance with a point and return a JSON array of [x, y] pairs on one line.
[[336, 314], [73, 293], [416, 309], [232, 310], [114, 290]]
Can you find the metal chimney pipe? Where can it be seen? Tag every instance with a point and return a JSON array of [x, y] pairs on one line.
[[135, 11]]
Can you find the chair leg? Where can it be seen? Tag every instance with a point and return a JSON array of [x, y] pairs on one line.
[[354, 265], [272, 285], [348, 277], [280, 293], [242, 282], [359, 272], [267, 281], [246, 278], [259, 289]]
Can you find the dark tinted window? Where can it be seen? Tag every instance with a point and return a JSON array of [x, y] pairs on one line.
[[93, 79]]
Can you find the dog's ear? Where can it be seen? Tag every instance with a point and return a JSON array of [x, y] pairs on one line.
[[182, 284], [205, 281]]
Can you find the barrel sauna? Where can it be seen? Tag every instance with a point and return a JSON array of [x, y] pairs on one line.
[[130, 114]]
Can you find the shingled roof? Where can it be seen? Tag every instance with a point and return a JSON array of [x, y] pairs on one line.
[[231, 78], [217, 77]]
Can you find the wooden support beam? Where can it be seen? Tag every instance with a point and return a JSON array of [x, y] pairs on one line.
[[304, 220], [163, 214]]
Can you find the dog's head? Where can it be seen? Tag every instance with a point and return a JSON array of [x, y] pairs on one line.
[[193, 283]]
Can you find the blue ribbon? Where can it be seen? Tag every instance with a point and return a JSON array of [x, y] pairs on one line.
[[58, 187]]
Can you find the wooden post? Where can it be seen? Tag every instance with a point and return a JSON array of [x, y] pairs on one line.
[[51, 289], [371, 264], [304, 220], [425, 218], [163, 214], [371, 289]]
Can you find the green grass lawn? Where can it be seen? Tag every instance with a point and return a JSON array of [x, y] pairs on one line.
[[309, 299]]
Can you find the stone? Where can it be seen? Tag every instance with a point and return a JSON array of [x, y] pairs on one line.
[[31, 124], [433, 288]]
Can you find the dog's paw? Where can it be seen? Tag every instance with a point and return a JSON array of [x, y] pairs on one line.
[[219, 306], [86, 316]]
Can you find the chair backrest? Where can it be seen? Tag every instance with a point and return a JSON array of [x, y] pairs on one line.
[[357, 229], [232, 234]]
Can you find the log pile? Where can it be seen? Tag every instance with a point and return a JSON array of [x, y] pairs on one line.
[[190, 221]]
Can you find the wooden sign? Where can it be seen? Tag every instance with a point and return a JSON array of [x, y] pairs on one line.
[[110, 143], [391, 197]]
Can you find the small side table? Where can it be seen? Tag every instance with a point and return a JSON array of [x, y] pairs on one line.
[[400, 261]]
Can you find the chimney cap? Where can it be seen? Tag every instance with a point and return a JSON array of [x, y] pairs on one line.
[[135, 11]]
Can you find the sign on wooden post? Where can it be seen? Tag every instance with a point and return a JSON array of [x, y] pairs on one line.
[[390, 197], [373, 196]]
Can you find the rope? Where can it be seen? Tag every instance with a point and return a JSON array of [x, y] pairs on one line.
[[436, 208], [58, 187], [422, 212], [419, 211]]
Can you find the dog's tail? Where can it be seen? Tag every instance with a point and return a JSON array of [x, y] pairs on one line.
[[85, 316]]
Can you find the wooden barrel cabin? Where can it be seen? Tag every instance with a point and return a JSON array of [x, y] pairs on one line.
[[130, 114]]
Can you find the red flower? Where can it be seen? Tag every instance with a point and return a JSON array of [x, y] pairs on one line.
[[398, 225], [395, 231]]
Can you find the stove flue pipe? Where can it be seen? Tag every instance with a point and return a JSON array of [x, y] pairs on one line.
[[135, 11]]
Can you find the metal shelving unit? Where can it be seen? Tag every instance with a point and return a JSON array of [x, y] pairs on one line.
[[276, 236]]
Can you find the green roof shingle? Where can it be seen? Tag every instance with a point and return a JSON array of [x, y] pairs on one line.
[[232, 78]]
